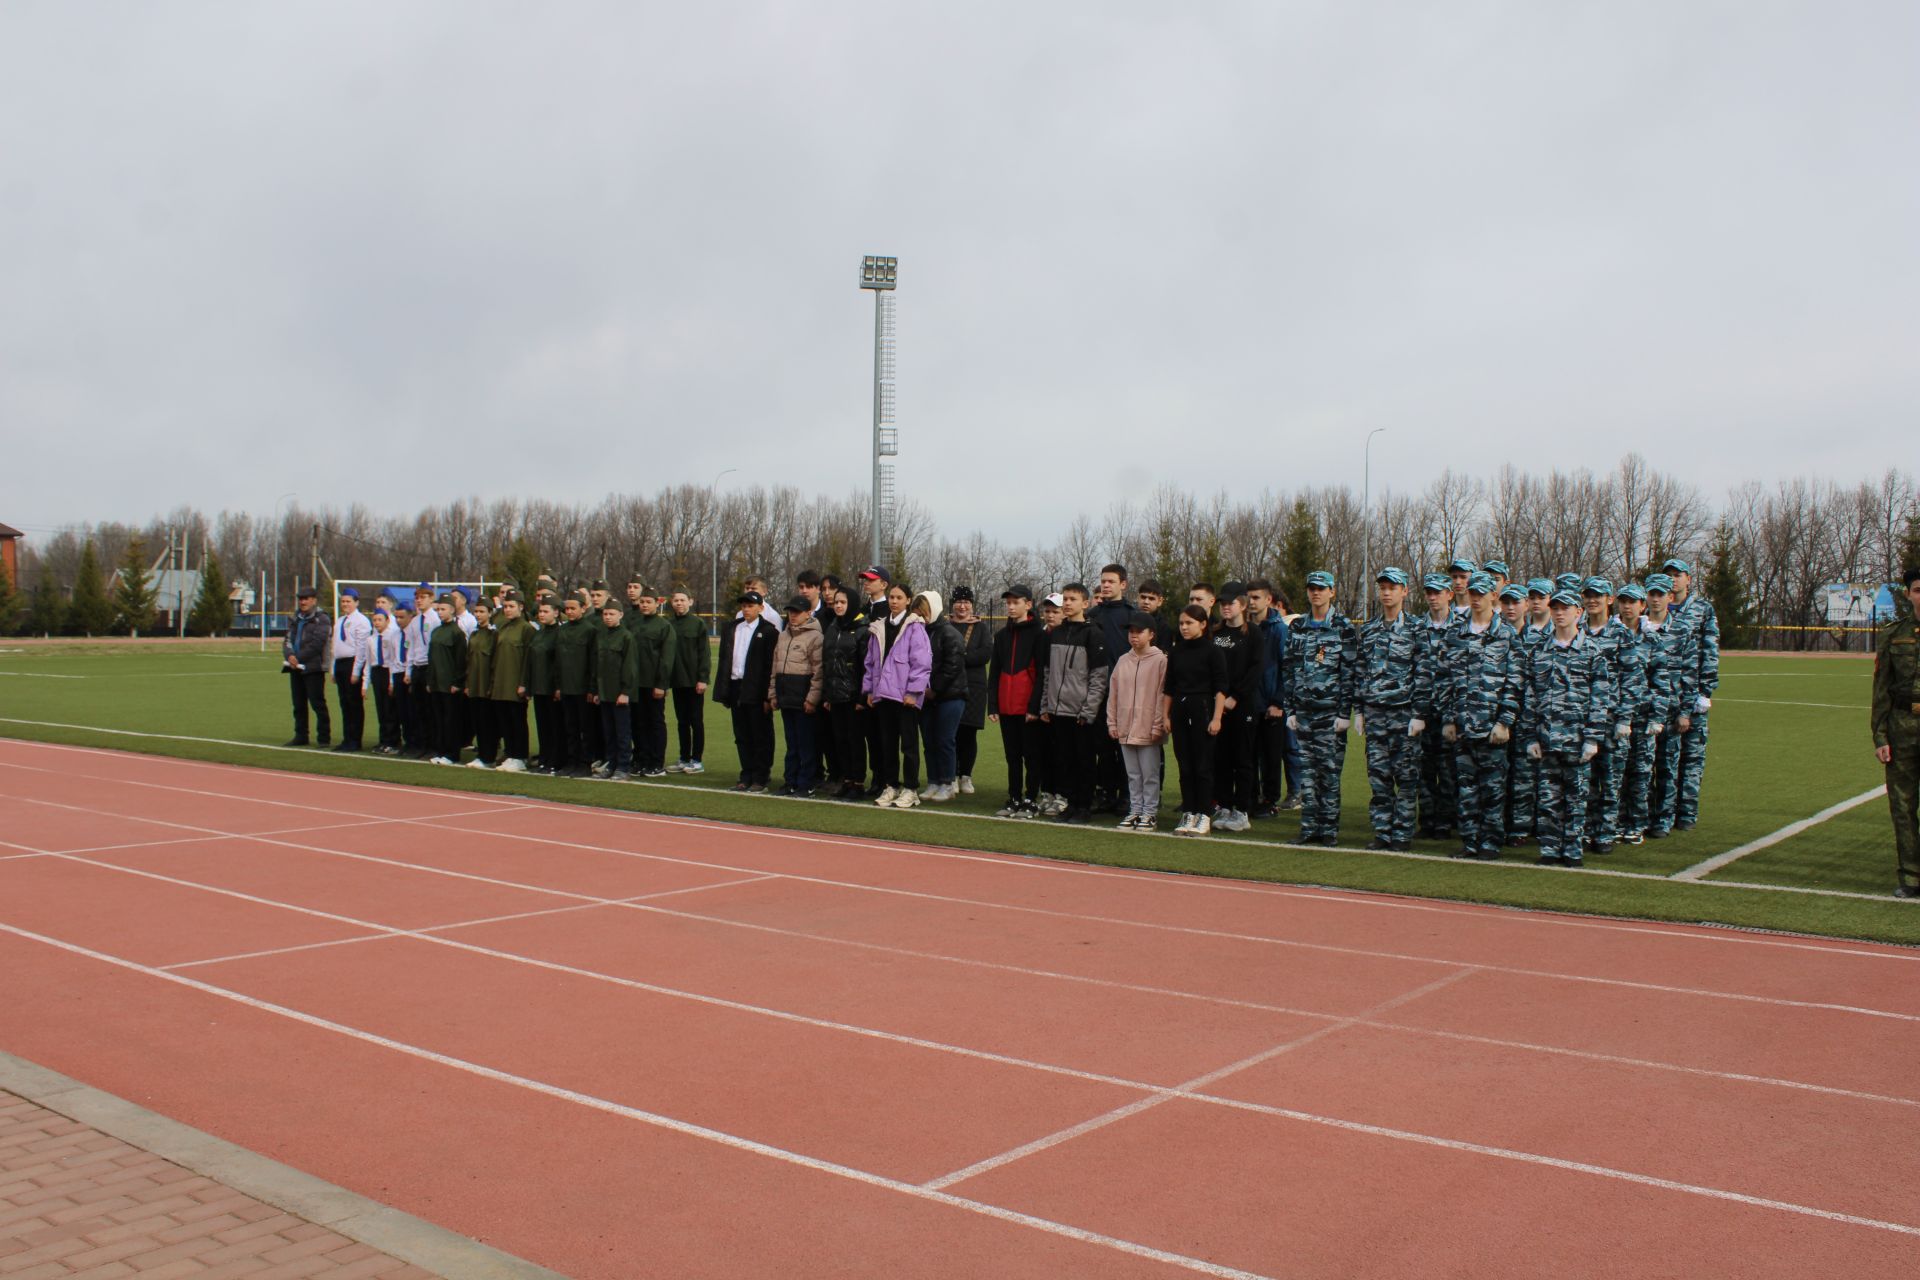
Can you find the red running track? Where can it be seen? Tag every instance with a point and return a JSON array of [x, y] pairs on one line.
[[622, 1045]]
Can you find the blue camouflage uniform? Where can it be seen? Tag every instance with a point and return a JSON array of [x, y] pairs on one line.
[[1439, 796], [1604, 774], [1523, 785], [1566, 715], [1568, 582], [1320, 675], [1643, 697], [1394, 692], [1703, 629], [1673, 650], [1479, 700]]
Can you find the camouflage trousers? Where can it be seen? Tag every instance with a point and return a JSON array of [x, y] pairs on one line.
[[1663, 794], [1604, 773], [1393, 773], [1438, 790], [1636, 780], [1480, 773], [1693, 766], [1523, 787], [1903, 791], [1323, 751], [1562, 817]]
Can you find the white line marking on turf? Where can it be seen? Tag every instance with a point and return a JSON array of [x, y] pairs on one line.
[[662, 1121], [1782, 702], [1708, 866], [941, 1197], [1184, 1090], [39, 675]]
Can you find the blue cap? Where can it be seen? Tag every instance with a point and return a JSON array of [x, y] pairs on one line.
[[1598, 585], [1678, 565], [1660, 582], [381, 613], [1567, 581], [1632, 591], [1394, 575], [426, 587], [1480, 584], [348, 593], [1320, 578], [1460, 564], [1539, 586], [1566, 597], [1436, 582], [1498, 567], [1512, 591]]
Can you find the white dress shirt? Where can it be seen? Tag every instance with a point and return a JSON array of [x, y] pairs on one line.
[[348, 632]]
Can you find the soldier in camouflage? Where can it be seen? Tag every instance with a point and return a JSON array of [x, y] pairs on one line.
[[1320, 675], [1438, 792], [1460, 571], [1479, 701], [1643, 697], [1568, 582], [1695, 615], [1896, 732], [1673, 652], [1603, 791], [1523, 780], [1567, 713], [1394, 691]]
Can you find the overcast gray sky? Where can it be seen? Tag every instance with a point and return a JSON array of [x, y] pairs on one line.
[[392, 252]]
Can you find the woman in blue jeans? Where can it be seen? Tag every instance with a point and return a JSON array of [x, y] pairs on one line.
[[946, 698]]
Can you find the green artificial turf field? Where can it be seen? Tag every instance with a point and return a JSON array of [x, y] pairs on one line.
[[1789, 740]]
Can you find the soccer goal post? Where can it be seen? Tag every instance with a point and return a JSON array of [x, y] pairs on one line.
[[402, 592]]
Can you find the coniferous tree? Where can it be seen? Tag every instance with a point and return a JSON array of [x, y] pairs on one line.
[[1166, 566], [1725, 590], [91, 613], [10, 602], [523, 564], [1212, 568], [1301, 552], [1909, 545], [212, 612], [133, 593], [47, 614]]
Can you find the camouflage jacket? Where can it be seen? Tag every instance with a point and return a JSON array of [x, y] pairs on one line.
[[1395, 670], [1569, 695], [1321, 670], [1695, 618], [1479, 677], [1671, 663], [1613, 639]]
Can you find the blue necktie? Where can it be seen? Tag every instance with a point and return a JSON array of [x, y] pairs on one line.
[[379, 654]]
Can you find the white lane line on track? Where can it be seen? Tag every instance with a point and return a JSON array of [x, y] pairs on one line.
[[919, 1192], [1707, 866]]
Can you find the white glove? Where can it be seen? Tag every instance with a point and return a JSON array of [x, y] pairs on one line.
[[1450, 732], [1623, 731], [1416, 727], [1293, 723], [1702, 703], [1533, 751], [1359, 724], [1589, 751], [1341, 724], [1500, 735], [1656, 728]]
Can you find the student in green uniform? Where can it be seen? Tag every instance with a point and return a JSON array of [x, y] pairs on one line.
[[486, 737], [511, 638], [692, 663], [615, 678], [579, 718], [656, 654], [446, 681], [543, 687], [1896, 732]]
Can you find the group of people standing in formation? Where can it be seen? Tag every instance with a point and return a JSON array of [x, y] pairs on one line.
[[1563, 710]]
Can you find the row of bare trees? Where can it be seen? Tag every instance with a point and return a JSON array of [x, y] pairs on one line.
[[1784, 542]]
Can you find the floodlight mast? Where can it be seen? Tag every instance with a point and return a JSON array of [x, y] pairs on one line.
[[881, 275]]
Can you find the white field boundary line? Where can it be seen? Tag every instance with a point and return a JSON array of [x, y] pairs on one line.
[[1021, 909], [1040, 863], [678, 1126], [649, 903], [39, 675], [1188, 1089], [1782, 702], [1708, 866], [921, 1192]]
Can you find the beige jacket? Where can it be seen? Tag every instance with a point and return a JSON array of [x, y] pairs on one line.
[[797, 654], [1135, 698]]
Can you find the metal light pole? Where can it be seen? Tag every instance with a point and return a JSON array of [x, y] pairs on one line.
[[274, 604], [1366, 510], [713, 496], [882, 275]]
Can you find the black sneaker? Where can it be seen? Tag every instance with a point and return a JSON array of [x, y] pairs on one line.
[[1487, 855], [1907, 891], [1401, 846], [295, 742], [1291, 802], [1265, 811], [1548, 860], [1377, 845], [1683, 826], [1461, 852], [1603, 847], [1331, 842], [1654, 833], [1573, 860]]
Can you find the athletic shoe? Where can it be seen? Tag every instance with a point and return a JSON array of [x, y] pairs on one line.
[[1488, 855], [1573, 860], [1074, 816], [1906, 891], [1401, 846], [1330, 842], [601, 772], [926, 792], [757, 789], [694, 766], [1603, 846], [678, 766], [598, 765], [1011, 809], [965, 784], [1264, 811], [943, 793], [439, 760], [906, 799], [1548, 860], [478, 763], [1202, 825], [1231, 820], [1184, 827], [294, 742], [621, 775], [1291, 802], [513, 766], [1683, 826], [654, 773], [1378, 845], [1147, 822], [1129, 822], [886, 798], [1655, 833], [742, 786], [1633, 837]]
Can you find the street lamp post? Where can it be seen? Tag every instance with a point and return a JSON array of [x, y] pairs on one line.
[[713, 497], [268, 610], [1366, 509], [882, 275]]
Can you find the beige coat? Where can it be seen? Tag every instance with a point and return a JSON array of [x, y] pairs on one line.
[[1136, 698], [798, 653]]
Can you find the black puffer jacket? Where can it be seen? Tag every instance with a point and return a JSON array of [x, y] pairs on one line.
[[843, 660], [977, 648], [949, 662]]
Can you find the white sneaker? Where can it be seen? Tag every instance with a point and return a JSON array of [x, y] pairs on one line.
[[678, 766], [513, 766], [439, 760], [966, 784], [693, 766], [886, 798], [942, 793], [906, 800], [478, 763], [1202, 825], [1231, 820], [1129, 822]]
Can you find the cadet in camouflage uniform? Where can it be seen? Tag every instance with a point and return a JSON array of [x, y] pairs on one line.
[[1896, 732], [1479, 701], [1391, 716], [1672, 647], [1643, 699], [1439, 795], [1697, 617], [1567, 713], [1603, 791], [1523, 779], [1320, 674]]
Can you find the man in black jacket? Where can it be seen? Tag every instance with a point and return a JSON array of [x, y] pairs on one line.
[[740, 683], [304, 659], [1110, 614]]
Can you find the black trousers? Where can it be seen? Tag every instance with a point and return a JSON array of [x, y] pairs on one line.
[[753, 739], [897, 763], [579, 731], [1018, 740], [549, 726], [1110, 770], [416, 710], [689, 713], [649, 731], [847, 726], [876, 741], [353, 708], [1233, 759], [1193, 750], [966, 749], [310, 690], [1270, 757], [510, 723], [1076, 757], [386, 711], [449, 724], [486, 738], [616, 734]]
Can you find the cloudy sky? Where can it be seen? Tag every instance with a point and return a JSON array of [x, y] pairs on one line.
[[391, 252]]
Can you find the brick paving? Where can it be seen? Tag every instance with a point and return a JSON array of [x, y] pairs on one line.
[[75, 1202]]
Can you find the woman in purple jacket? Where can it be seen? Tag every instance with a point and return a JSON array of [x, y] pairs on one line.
[[899, 666]]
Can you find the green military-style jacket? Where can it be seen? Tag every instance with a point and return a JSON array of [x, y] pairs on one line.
[[1896, 684], [655, 651], [446, 658], [575, 648], [480, 663], [543, 662], [692, 657], [615, 668], [510, 641]]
